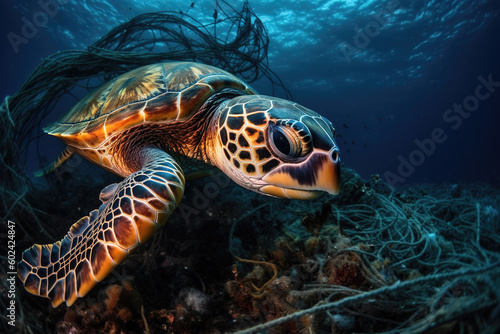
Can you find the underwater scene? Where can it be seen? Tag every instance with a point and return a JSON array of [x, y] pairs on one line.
[[257, 166]]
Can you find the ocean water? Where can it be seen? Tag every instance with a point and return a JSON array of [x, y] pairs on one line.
[[413, 91], [384, 72]]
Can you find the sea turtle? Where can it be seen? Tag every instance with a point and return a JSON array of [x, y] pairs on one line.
[[155, 126]]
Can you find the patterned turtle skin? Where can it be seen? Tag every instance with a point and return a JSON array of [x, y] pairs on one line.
[[156, 126]]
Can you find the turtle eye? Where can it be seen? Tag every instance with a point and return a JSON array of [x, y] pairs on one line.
[[283, 144], [289, 140]]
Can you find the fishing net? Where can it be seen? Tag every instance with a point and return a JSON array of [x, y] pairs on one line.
[[235, 41], [425, 260], [369, 260]]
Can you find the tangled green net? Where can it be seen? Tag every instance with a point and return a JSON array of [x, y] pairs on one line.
[[428, 261]]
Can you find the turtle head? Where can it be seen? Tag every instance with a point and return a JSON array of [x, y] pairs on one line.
[[277, 147]]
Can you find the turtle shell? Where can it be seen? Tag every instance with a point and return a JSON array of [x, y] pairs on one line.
[[158, 93]]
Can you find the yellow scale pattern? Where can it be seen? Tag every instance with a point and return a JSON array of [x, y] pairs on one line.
[[243, 130]]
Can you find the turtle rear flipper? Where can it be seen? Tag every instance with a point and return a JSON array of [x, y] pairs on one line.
[[96, 244], [61, 159]]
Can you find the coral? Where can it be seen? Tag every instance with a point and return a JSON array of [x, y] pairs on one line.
[[314, 222], [392, 262], [237, 41], [377, 262], [311, 245], [116, 313], [256, 276], [194, 300], [345, 269], [113, 293], [124, 314]]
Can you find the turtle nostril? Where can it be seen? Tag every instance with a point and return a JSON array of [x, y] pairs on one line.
[[335, 156]]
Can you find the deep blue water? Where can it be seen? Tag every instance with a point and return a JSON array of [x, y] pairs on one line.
[[385, 73]]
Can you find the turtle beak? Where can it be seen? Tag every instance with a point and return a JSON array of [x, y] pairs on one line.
[[328, 173], [320, 172]]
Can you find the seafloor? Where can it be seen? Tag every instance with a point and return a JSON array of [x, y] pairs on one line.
[[371, 259]]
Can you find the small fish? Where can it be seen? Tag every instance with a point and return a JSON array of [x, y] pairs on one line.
[[349, 151], [365, 145], [345, 141], [379, 119], [366, 127], [338, 135], [345, 126], [353, 142]]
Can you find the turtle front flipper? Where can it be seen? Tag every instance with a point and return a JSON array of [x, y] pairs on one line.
[[96, 244]]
